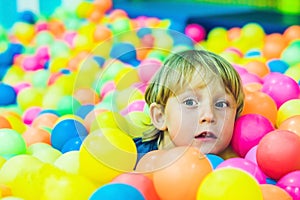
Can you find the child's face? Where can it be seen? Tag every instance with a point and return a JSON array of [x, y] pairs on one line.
[[202, 117]]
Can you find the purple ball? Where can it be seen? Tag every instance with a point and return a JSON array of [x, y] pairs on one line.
[[280, 87], [248, 130]]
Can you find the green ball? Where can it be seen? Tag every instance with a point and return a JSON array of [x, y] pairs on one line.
[[11, 143], [291, 53]]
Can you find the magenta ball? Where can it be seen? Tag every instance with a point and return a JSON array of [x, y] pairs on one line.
[[31, 63], [195, 31], [245, 165], [30, 114], [249, 129], [280, 87], [135, 106], [291, 184]]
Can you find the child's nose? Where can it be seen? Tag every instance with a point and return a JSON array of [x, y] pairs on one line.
[[207, 116]]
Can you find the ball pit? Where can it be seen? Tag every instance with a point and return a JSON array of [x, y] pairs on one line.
[[73, 83]]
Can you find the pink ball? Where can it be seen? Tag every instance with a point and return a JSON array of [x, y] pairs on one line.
[[291, 184], [240, 70], [147, 69], [280, 87], [195, 31], [249, 129], [246, 166], [251, 155], [20, 86], [31, 63], [137, 105], [278, 153], [107, 87], [250, 78], [30, 114]]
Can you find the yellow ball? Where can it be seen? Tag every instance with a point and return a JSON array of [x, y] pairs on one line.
[[229, 183], [105, 154], [68, 162], [126, 77], [288, 109], [108, 119], [125, 97], [29, 97], [16, 165]]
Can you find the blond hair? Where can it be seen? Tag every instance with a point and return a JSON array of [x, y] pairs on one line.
[[181, 69]]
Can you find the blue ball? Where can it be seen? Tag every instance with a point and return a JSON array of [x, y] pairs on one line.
[[65, 130], [117, 191], [8, 95], [73, 144], [124, 52], [28, 17], [143, 31], [83, 110], [277, 65], [214, 160], [100, 60]]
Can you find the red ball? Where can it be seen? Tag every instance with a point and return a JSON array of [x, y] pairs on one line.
[[278, 153], [196, 32]]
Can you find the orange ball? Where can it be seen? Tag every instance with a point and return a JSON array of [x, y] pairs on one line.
[[260, 103], [275, 43], [103, 5], [86, 96], [36, 135], [234, 33], [257, 67], [4, 123], [291, 124], [273, 192], [182, 170], [45, 120], [102, 33], [292, 33], [56, 27]]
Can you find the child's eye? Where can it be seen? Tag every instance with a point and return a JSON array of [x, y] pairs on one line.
[[190, 102], [222, 104]]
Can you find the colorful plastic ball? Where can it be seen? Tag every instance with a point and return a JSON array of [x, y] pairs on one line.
[[291, 124], [124, 52], [65, 130], [135, 106], [15, 121], [29, 97], [68, 162], [117, 191], [35, 135], [45, 120], [67, 105], [86, 96], [30, 114], [17, 165], [8, 95], [249, 129], [257, 67], [291, 184], [141, 182], [274, 44], [147, 69], [257, 102], [105, 154], [195, 31], [253, 32], [292, 33], [46, 155], [290, 53], [251, 155], [73, 144], [277, 153], [24, 32], [214, 160], [250, 78], [294, 72], [280, 87], [247, 166], [4, 123], [11, 143], [277, 65], [287, 110], [185, 165], [273, 192], [229, 183]]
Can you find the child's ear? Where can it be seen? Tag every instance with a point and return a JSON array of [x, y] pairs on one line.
[[157, 115]]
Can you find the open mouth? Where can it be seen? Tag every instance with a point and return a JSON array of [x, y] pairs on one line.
[[206, 134]]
